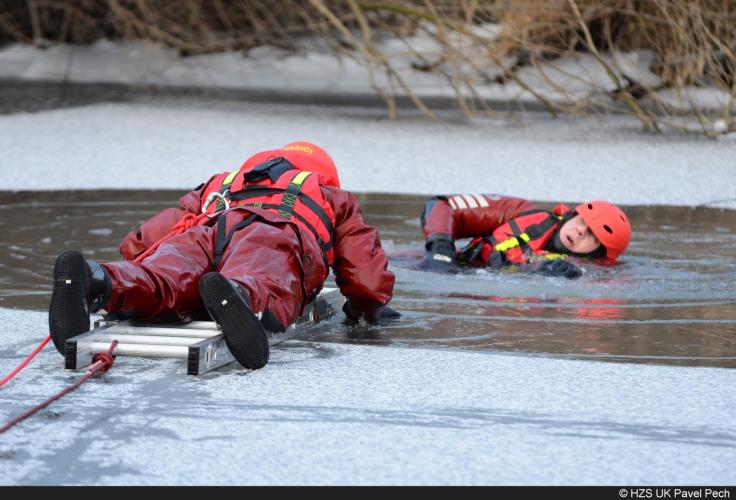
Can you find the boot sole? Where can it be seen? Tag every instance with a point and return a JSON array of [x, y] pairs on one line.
[[244, 334], [68, 312]]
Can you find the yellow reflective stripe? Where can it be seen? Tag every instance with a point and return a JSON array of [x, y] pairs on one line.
[[288, 200], [507, 245], [553, 256], [230, 178], [300, 178], [513, 242]]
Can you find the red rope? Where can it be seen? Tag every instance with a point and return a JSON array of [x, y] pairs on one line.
[[101, 363], [188, 220], [25, 361]]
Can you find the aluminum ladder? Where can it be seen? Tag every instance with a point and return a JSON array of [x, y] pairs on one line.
[[201, 343]]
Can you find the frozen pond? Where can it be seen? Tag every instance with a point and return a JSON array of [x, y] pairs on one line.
[[468, 388], [671, 301]]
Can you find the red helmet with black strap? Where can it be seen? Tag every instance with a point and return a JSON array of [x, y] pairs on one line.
[[310, 157], [608, 223], [304, 156]]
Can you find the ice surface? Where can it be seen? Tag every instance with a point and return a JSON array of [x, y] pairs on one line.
[[337, 414], [179, 144]]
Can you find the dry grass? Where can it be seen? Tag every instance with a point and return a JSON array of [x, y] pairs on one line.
[[693, 42]]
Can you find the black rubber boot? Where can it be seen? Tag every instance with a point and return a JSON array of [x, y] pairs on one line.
[[79, 288], [100, 286], [229, 307]]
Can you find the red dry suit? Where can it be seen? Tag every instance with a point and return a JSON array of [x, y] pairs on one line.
[[504, 229], [277, 240]]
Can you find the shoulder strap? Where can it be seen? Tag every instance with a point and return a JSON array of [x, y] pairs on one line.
[[288, 200], [520, 238]]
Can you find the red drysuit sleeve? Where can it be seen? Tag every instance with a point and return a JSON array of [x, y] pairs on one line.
[[469, 215], [158, 226], [360, 265]]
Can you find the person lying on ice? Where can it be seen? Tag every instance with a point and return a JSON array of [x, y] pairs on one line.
[[512, 231], [253, 247]]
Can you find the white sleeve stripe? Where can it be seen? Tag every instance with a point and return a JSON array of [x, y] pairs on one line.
[[452, 203], [470, 200], [481, 200], [460, 202]]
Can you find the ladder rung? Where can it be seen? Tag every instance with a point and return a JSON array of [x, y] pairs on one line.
[[147, 351], [199, 333], [146, 339], [201, 343]]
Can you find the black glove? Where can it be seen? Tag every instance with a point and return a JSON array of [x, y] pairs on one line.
[[440, 258], [375, 316], [559, 267], [389, 313]]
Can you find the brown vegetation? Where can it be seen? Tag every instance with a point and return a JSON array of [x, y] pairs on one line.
[[693, 42]]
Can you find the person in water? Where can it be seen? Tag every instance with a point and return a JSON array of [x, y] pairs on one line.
[[508, 231], [250, 247]]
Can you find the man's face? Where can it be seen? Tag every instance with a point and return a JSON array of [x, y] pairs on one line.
[[577, 237]]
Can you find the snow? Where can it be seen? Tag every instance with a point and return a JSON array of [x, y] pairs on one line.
[[339, 414], [179, 143]]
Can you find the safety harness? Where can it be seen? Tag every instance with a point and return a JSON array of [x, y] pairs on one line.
[[274, 185], [514, 242]]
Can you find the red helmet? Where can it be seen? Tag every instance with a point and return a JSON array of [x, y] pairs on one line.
[[312, 158], [609, 224]]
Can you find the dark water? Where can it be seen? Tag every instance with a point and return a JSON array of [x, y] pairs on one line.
[[672, 300]]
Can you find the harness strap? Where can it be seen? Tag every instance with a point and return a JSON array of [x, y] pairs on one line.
[[537, 230], [326, 246], [224, 190], [249, 192], [288, 200], [273, 169], [519, 239], [533, 232], [223, 240], [497, 258]]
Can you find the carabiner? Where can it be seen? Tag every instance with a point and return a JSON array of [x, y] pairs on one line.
[[216, 195]]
